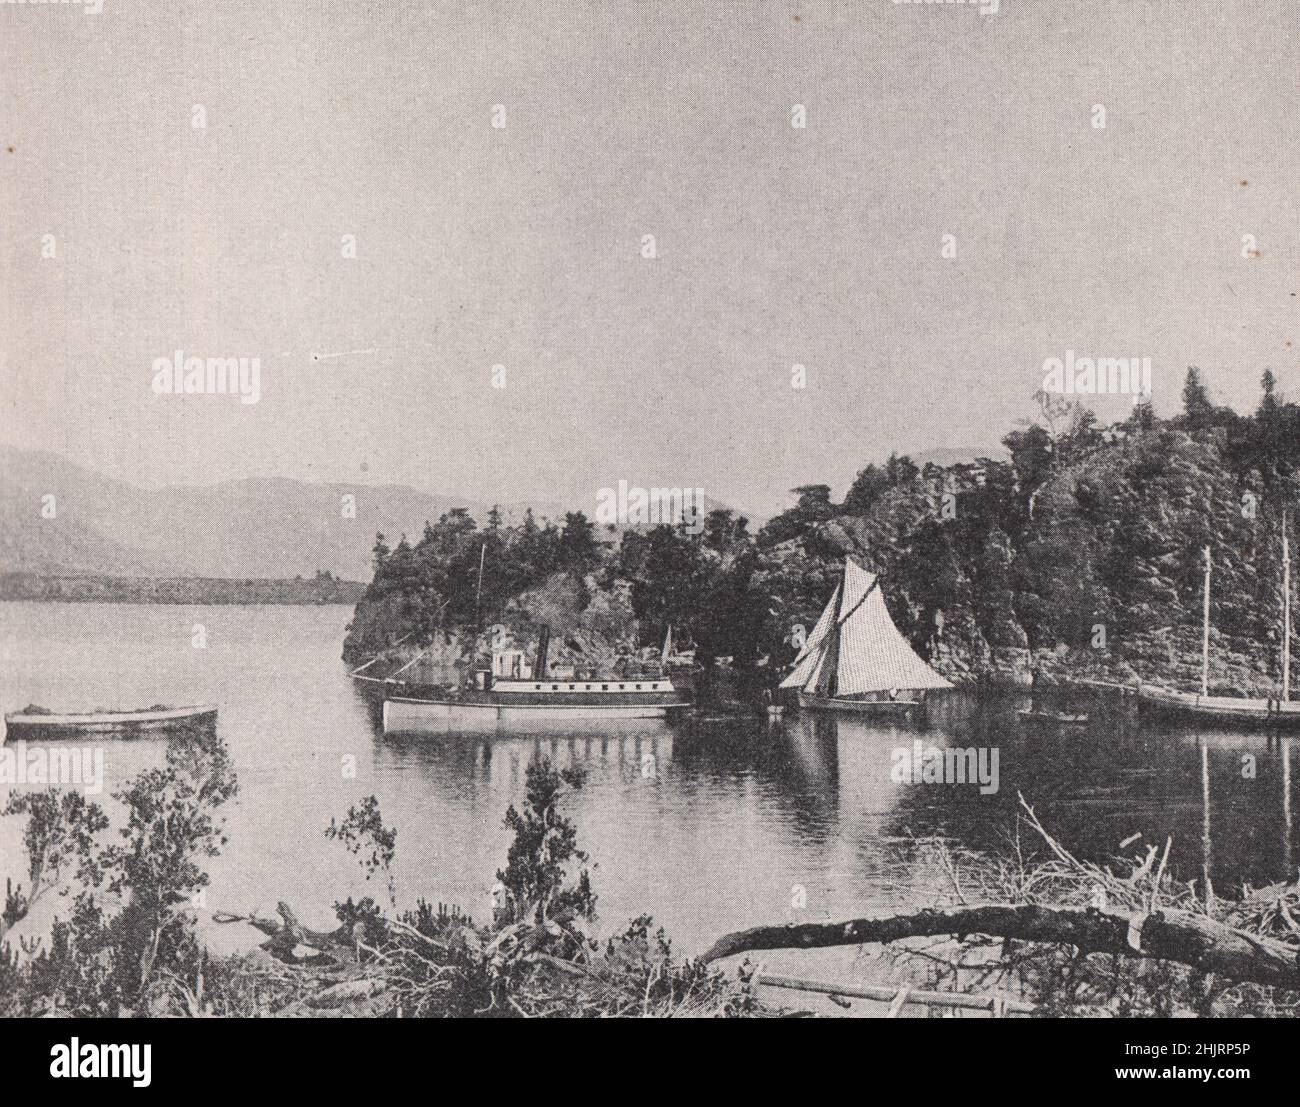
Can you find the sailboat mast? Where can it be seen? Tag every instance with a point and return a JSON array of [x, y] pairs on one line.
[[833, 638], [478, 592], [1286, 612], [478, 595], [1205, 629]]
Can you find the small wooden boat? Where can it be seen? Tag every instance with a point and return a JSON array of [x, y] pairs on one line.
[[880, 709], [1031, 716], [34, 721], [855, 661]]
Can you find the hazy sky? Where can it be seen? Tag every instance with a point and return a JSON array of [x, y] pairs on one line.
[[478, 246]]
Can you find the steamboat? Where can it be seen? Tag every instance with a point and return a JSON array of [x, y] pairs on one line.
[[513, 691]]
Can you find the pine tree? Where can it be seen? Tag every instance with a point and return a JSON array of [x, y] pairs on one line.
[[1196, 400]]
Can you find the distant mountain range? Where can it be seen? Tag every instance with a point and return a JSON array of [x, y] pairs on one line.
[[254, 528], [269, 528]]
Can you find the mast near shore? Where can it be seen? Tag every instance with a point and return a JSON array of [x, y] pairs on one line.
[[1286, 612], [478, 592], [1205, 628]]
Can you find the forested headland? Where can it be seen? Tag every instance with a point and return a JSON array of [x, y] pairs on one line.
[[1078, 552]]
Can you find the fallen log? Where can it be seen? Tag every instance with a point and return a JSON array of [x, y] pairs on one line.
[[1187, 939]]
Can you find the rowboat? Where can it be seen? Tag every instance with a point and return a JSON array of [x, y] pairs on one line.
[[878, 708], [855, 661], [36, 721], [1029, 715]]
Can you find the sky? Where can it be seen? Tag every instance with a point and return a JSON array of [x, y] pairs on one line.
[[478, 246]]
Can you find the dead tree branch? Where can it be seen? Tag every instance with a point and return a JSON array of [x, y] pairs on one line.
[[1192, 940]]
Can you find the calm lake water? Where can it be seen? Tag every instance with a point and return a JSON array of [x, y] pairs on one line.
[[711, 835]]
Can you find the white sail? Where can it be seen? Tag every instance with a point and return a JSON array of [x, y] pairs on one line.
[[823, 669], [873, 655], [808, 664]]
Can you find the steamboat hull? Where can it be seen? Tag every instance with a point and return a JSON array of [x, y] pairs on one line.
[[553, 705], [411, 714]]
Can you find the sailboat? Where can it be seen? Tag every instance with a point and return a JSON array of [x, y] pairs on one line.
[[855, 660], [1230, 710]]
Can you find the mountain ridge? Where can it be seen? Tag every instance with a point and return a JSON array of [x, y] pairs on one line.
[[241, 528]]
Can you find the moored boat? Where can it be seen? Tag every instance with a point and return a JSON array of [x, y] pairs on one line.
[[880, 708], [516, 692], [1215, 710], [1201, 707], [856, 661], [1032, 715], [38, 721], [551, 702], [507, 694]]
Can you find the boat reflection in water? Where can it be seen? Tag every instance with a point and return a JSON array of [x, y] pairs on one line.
[[745, 812]]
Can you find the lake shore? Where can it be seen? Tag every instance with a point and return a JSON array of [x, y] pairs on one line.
[[323, 589]]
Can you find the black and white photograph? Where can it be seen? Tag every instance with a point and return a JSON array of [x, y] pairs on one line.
[[569, 509]]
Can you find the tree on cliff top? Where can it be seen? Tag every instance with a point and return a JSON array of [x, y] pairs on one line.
[[1196, 400], [812, 507], [579, 550]]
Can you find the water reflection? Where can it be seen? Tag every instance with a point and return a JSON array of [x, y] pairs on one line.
[[707, 826], [1225, 799], [814, 794]]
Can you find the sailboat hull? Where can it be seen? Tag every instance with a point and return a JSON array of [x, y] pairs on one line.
[[1188, 707], [880, 709]]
